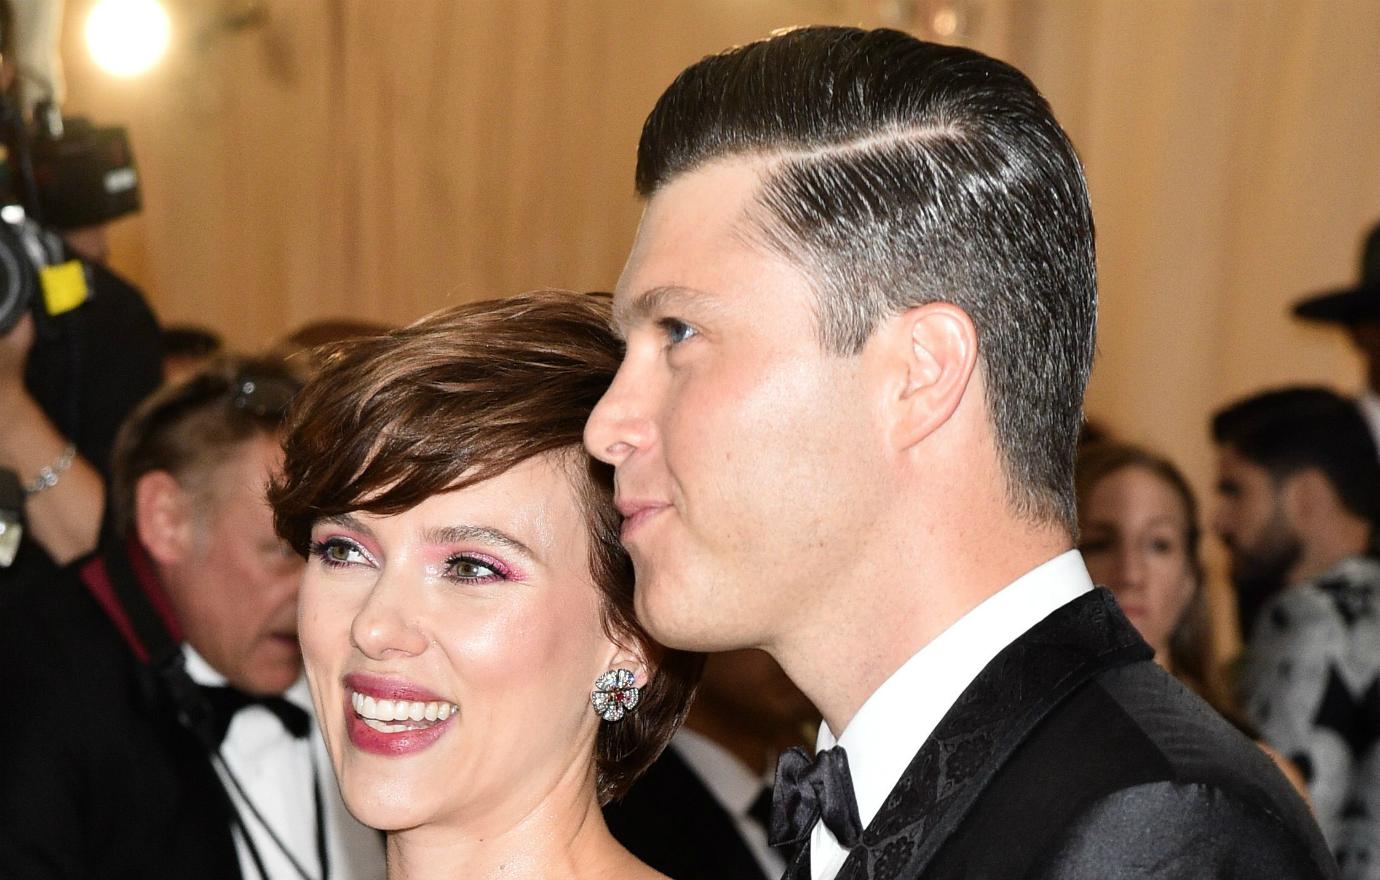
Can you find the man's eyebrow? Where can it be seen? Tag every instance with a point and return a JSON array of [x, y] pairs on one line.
[[477, 534], [632, 312]]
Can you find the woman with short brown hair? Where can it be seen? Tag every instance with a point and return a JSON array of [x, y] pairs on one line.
[[466, 616]]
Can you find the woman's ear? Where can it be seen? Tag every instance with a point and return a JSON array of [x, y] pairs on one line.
[[628, 654], [934, 351], [163, 517]]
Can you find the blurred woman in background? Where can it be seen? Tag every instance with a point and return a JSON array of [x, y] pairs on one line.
[[1139, 535]]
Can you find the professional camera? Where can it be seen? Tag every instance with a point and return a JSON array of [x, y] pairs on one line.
[[63, 174]]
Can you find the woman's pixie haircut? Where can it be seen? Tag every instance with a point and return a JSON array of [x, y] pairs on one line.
[[459, 397]]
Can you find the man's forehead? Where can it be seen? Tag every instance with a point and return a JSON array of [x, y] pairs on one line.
[[690, 226], [698, 208]]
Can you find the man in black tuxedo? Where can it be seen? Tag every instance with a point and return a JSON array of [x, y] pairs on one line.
[[859, 317], [164, 729]]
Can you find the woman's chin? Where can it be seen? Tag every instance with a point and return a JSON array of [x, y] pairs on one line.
[[385, 814]]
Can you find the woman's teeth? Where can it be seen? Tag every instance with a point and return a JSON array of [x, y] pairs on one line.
[[404, 714]]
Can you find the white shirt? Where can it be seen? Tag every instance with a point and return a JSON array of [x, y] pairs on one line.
[[1369, 404], [735, 787], [276, 771], [894, 722]]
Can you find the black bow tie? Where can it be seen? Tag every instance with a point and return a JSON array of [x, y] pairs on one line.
[[226, 701], [808, 790]]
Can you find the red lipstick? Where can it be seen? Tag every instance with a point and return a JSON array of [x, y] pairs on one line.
[[378, 742]]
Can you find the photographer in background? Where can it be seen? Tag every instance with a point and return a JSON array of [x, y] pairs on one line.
[[79, 347]]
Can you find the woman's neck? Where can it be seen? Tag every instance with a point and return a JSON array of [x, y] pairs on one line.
[[560, 837]]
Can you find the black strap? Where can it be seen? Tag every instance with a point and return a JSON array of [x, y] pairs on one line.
[[321, 851], [133, 595]]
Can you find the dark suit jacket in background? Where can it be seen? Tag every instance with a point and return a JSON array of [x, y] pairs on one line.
[[97, 778], [88, 369], [1073, 756], [672, 821]]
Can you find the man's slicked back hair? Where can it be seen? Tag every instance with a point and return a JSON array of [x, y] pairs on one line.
[[898, 173]]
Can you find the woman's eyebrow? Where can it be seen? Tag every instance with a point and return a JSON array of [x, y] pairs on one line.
[[345, 521], [479, 534]]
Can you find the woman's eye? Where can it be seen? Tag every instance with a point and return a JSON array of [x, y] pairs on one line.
[[472, 569], [676, 331], [338, 552]]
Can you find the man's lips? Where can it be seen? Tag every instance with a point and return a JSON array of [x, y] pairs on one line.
[[636, 513]]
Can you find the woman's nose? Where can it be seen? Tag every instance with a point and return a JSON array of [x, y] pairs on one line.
[[1130, 567], [387, 626]]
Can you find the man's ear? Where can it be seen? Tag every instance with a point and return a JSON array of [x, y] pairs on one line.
[[1308, 496], [934, 351], [163, 517]]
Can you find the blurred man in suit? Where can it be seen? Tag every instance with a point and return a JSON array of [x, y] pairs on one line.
[[702, 811], [165, 730]]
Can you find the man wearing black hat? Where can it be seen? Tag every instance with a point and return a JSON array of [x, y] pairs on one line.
[[1358, 310]]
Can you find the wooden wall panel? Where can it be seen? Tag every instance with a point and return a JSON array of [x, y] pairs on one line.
[[382, 158]]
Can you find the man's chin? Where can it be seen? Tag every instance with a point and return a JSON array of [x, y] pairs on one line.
[[671, 624], [272, 675]]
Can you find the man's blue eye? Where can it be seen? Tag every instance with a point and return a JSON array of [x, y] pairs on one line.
[[676, 331]]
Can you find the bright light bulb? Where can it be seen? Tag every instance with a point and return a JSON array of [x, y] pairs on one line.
[[127, 37]]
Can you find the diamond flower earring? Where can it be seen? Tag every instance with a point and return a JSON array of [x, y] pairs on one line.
[[614, 694]]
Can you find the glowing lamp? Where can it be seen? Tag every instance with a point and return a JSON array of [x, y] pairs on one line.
[[127, 37]]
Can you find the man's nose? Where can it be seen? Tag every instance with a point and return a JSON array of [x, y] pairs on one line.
[[621, 422]]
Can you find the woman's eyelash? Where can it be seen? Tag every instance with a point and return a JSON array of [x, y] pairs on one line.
[[329, 552], [472, 569]]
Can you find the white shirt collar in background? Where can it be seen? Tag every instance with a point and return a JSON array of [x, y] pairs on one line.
[[279, 773], [735, 787]]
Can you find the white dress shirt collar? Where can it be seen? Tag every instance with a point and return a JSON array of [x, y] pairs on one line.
[[894, 722], [203, 673], [733, 784], [1369, 404], [728, 779]]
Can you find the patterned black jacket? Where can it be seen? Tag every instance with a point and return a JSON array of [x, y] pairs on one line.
[[1072, 755]]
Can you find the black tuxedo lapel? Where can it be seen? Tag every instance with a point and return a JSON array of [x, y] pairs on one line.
[[990, 719], [799, 868]]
